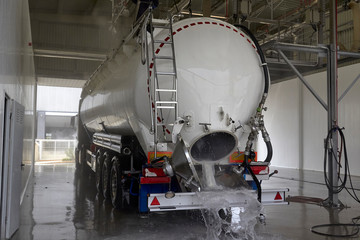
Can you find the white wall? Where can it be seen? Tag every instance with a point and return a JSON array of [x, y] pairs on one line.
[[58, 99], [297, 123], [17, 74], [17, 81]]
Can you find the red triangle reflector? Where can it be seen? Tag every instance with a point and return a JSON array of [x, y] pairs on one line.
[[278, 196], [155, 202]]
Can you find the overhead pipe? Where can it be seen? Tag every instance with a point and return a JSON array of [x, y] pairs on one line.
[[49, 53]]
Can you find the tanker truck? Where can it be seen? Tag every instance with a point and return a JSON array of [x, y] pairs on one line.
[[174, 111]]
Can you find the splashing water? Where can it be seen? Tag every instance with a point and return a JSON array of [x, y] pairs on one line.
[[230, 214], [230, 209]]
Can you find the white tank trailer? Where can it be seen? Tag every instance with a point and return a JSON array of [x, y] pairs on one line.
[[176, 110]]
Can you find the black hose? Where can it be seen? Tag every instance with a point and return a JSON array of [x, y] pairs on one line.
[[262, 57], [256, 180], [334, 152], [269, 151], [354, 233], [159, 159]]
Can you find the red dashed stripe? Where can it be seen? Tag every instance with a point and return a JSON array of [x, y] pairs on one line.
[[161, 45], [157, 51], [253, 46], [186, 26], [167, 130], [151, 65], [221, 24], [207, 22], [174, 33], [179, 29], [215, 23], [200, 23], [242, 35], [235, 30], [228, 27], [248, 40], [192, 24], [159, 119], [167, 39]]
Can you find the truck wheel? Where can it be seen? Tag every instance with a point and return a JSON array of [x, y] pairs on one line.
[[98, 170], [106, 169], [116, 184], [77, 156]]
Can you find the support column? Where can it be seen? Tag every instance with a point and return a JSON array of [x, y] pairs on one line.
[[333, 107], [41, 118]]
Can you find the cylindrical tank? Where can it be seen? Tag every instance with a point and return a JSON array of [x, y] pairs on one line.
[[220, 84]]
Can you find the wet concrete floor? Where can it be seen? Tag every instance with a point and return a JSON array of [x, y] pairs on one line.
[[62, 203]]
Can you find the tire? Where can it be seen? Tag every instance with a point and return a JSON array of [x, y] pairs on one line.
[[106, 170], [98, 170], [116, 184], [77, 158]]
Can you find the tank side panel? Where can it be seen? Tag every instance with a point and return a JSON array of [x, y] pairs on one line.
[[110, 95]]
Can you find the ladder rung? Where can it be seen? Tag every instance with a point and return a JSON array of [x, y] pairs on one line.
[[166, 73], [166, 102], [165, 107], [166, 90], [164, 57], [162, 41]]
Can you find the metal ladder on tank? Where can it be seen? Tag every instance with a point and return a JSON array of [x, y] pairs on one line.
[[169, 76]]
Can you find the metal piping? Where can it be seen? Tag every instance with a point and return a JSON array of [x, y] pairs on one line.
[[300, 48], [333, 200], [349, 54], [69, 55], [303, 80]]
